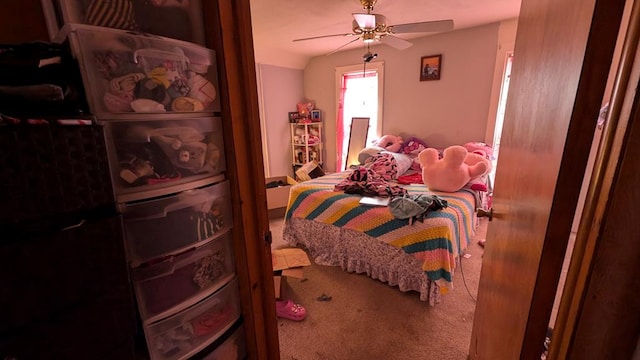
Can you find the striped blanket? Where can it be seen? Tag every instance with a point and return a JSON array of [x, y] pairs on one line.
[[436, 241]]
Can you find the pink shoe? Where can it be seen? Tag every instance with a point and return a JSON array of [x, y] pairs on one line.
[[288, 310]]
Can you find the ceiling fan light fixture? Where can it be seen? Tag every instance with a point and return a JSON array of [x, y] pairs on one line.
[[368, 37], [365, 21], [372, 27]]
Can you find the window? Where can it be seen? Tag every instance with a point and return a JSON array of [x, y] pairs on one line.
[[359, 91]]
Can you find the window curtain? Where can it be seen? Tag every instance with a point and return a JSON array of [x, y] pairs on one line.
[[342, 130]]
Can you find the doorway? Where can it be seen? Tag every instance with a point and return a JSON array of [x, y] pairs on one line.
[[359, 92]]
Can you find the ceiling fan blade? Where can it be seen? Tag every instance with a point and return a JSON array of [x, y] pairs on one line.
[[395, 42], [365, 21], [324, 36], [427, 26], [338, 49]]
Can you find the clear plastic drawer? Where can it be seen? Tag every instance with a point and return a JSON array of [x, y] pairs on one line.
[[182, 280], [126, 73], [177, 19], [190, 331], [168, 226], [152, 158], [233, 348]]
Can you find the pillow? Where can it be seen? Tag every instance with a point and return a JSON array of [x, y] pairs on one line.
[[403, 162]]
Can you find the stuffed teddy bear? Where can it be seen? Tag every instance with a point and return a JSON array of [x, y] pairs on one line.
[[450, 173], [390, 143]]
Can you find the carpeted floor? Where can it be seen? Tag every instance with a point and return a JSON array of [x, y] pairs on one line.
[[367, 319]]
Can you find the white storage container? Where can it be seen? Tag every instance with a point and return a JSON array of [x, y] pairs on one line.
[[168, 226], [125, 72], [150, 158], [176, 19], [191, 330], [182, 280]]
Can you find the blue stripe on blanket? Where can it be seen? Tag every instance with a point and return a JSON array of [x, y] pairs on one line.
[[357, 211], [389, 226], [439, 274], [432, 244], [325, 205], [299, 200]]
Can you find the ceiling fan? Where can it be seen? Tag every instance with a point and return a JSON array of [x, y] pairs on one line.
[[373, 27]]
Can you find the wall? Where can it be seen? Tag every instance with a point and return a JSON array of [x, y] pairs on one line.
[[280, 89], [453, 110]]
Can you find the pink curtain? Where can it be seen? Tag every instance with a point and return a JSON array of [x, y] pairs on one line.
[[340, 131], [340, 124]]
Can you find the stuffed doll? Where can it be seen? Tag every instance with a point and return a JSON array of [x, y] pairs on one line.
[[390, 143], [189, 155], [479, 183], [413, 145], [450, 173], [479, 146]]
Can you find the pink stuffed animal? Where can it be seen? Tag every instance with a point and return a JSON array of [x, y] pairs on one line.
[[450, 173], [390, 143]]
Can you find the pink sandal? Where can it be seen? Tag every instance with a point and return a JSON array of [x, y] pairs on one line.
[[288, 310]]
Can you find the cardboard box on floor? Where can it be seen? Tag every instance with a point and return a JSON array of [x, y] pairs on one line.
[[308, 171], [287, 262], [278, 196]]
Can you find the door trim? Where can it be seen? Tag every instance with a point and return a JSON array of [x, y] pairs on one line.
[[598, 194]]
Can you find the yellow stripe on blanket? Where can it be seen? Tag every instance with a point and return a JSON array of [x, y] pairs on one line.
[[346, 206], [370, 220], [427, 233], [313, 201], [296, 191]]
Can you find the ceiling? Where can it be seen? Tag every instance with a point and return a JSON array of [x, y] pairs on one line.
[[277, 22]]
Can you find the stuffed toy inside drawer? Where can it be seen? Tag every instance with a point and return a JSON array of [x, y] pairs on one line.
[[151, 158], [168, 226], [182, 280], [126, 73], [188, 332]]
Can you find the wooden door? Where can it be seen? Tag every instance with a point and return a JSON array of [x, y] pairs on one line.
[[563, 55]]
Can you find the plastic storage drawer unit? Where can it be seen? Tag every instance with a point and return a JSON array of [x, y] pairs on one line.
[[233, 348], [168, 226], [125, 73], [151, 158], [180, 19], [182, 280], [191, 330]]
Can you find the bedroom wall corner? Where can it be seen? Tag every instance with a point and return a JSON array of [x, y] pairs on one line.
[[452, 110], [279, 89]]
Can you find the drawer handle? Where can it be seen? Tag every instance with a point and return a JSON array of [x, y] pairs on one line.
[[74, 226], [154, 53]]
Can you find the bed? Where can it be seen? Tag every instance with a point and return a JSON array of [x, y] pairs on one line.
[[337, 231]]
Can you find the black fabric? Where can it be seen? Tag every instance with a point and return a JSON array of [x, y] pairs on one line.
[[40, 79]]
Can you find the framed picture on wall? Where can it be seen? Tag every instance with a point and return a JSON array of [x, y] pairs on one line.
[[315, 115], [430, 67]]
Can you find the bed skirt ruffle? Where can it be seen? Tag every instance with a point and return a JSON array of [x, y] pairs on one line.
[[362, 254]]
